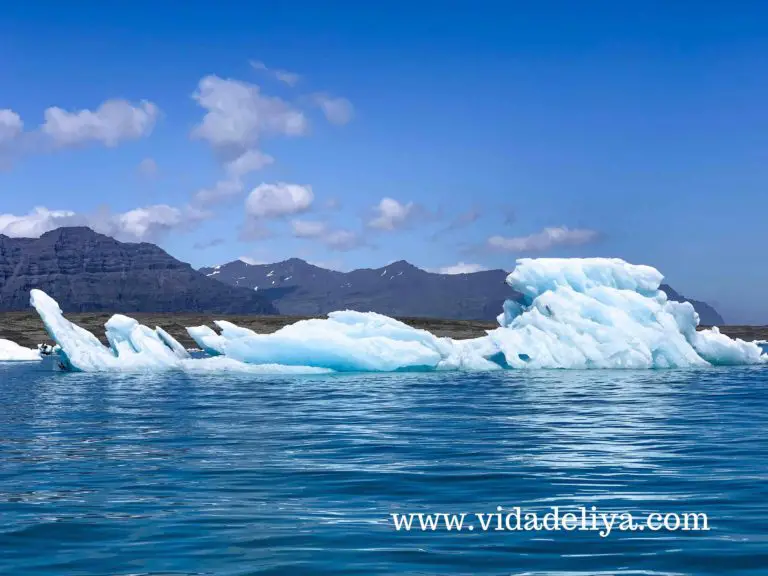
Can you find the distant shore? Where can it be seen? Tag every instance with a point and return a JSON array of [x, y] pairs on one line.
[[26, 329]]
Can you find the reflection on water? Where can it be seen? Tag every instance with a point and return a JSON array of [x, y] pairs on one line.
[[235, 474]]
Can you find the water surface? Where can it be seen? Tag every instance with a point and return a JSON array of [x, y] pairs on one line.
[[224, 474]]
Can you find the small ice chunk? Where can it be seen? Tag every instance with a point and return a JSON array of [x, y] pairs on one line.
[[12, 352]]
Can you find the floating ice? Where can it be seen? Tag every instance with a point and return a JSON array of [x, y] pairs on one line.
[[574, 313], [605, 313], [12, 352], [133, 347], [345, 341]]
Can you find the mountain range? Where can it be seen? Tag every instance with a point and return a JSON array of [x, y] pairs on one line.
[[89, 272], [399, 289]]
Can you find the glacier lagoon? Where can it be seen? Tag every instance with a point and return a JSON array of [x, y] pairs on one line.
[[593, 313], [288, 453], [181, 473]]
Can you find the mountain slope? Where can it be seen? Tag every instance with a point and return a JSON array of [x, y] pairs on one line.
[[707, 314], [88, 272], [399, 289]]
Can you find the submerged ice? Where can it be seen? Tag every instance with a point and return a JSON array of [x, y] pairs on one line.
[[574, 313]]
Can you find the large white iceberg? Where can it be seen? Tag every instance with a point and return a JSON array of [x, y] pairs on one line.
[[605, 313], [574, 313], [12, 352], [345, 341]]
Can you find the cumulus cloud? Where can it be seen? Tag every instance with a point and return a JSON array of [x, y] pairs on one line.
[[11, 125], [461, 268], [238, 115], [342, 240], [277, 200], [152, 222], [308, 228], [113, 122], [231, 187], [149, 223], [336, 110], [289, 78], [335, 239], [249, 161], [147, 168], [222, 191], [391, 215], [544, 240], [272, 201], [39, 221]]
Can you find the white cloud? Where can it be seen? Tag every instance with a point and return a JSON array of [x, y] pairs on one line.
[[336, 110], [222, 191], [461, 268], [308, 228], [238, 114], [270, 201], [148, 223], [229, 188], [39, 221], [10, 125], [153, 222], [276, 200], [342, 240], [113, 122], [544, 240], [335, 239], [148, 168], [391, 214], [289, 78], [249, 161]]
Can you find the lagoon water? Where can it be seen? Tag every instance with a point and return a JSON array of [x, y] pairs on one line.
[[230, 475]]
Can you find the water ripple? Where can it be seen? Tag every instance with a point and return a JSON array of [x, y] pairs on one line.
[[232, 474]]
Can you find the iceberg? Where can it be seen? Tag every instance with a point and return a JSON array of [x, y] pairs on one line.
[[574, 313], [133, 347], [346, 341], [606, 313], [12, 352]]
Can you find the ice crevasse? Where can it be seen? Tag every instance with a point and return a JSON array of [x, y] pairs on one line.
[[574, 313]]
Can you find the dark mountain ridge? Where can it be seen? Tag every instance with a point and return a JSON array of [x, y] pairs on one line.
[[399, 289], [89, 272]]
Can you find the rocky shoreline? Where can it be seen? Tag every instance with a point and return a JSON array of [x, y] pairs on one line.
[[26, 329]]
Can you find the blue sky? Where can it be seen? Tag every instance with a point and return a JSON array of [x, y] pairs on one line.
[[475, 133]]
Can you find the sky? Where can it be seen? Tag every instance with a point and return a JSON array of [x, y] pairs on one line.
[[458, 136]]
